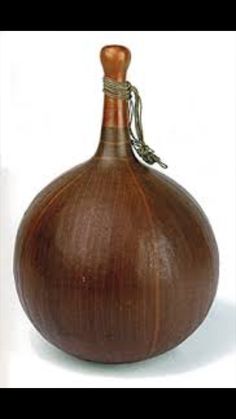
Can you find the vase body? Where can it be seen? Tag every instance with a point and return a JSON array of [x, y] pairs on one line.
[[114, 261]]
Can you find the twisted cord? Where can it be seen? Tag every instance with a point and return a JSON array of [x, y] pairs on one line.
[[126, 91]]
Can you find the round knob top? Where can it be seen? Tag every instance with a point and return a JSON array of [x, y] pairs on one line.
[[115, 61]]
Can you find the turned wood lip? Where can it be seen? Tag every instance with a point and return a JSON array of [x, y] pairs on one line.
[[115, 60]]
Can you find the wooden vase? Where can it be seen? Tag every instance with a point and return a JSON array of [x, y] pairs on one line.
[[114, 261]]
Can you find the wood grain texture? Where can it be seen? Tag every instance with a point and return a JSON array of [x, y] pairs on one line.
[[114, 261]]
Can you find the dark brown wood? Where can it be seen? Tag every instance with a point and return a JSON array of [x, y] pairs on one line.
[[114, 261]]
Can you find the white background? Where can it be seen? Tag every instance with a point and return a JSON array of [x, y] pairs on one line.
[[51, 105]]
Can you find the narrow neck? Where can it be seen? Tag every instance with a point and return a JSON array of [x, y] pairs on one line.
[[115, 113], [115, 138], [114, 144]]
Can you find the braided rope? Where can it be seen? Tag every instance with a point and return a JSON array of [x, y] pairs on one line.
[[126, 91]]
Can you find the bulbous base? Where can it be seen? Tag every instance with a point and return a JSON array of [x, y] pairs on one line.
[[114, 262]]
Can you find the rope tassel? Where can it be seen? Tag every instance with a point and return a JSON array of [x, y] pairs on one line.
[[130, 93]]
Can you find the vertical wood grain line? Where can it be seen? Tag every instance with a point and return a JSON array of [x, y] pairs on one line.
[[157, 284]]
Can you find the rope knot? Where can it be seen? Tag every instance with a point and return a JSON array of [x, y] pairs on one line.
[[126, 91]]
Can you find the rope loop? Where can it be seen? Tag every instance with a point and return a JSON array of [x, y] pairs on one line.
[[126, 91]]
